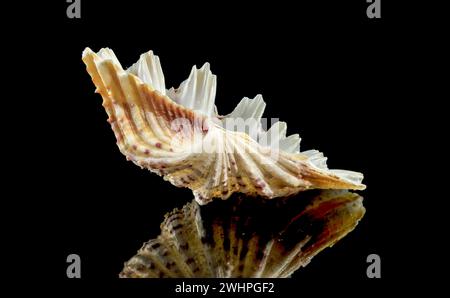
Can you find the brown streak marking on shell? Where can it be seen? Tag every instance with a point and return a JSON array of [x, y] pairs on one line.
[[176, 112], [123, 101], [150, 102], [133, 82], [91, 68], [316, 178], [146, 104], [163, 110], [162, 105], [167, 103]]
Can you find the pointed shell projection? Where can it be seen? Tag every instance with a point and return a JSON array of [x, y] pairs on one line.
[[234, 238], [178, 134]]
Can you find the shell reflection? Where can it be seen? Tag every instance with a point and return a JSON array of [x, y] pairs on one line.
[[247, 237]]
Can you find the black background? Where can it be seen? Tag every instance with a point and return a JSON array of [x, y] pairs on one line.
[[322, 66]]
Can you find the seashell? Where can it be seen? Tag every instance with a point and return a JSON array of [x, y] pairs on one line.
[[234, 238], [178, 134]]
